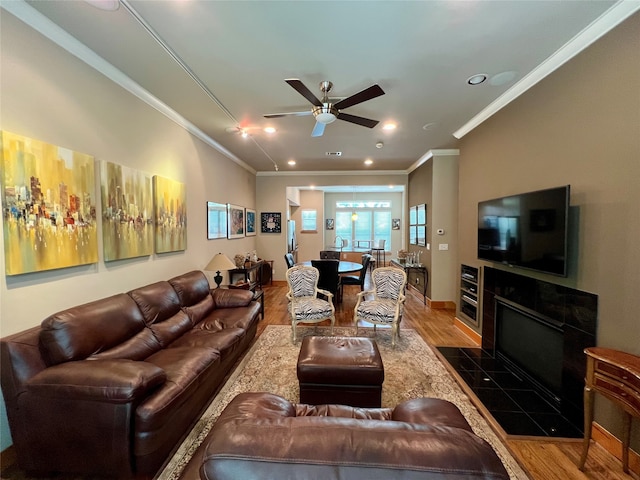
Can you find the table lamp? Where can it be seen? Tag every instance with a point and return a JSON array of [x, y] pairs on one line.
[[217, 264]]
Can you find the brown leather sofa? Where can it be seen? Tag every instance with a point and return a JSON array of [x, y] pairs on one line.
[[112, 386], [263, 436]]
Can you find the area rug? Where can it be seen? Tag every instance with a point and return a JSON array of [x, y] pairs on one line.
[[411, 370]]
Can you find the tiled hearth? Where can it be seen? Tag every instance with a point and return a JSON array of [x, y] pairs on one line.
[[514, 402]]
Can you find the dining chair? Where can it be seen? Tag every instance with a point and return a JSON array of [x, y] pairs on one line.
[[334, 254], [304, 304], [357, 279], [288, 257], [386, 306], [329, 277]]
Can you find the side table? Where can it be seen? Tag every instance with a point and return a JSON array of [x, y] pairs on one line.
[[419, 269], [616, 376]]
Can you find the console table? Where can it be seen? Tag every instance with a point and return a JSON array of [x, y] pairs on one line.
[[616, 376], [251, 273], [419, 270]]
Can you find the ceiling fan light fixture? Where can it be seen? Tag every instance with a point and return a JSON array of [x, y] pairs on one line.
[[325, 114]]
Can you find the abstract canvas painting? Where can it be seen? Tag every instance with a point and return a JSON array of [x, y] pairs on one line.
[[250, 221], [127, 212], [170, 204], [48, 204], [235, 218]]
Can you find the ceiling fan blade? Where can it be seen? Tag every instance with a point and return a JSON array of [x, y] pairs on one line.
[[365, 122], [288, 114], [367, 94], [304, 91], [318, 130]]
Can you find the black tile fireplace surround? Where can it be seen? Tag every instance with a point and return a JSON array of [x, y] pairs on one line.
[[546, 398]]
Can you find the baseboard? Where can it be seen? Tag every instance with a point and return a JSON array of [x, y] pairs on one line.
[[611, 444], [468, 331]]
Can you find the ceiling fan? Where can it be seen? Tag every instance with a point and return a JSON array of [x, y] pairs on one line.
[[326, 112]]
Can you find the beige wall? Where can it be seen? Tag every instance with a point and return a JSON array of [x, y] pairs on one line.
[[579, 126], [435, 183], [49, 95], [271, 197]]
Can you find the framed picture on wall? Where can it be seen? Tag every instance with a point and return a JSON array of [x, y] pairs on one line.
[[413, 215], [395, 224], [250, 222], [422, 214], [329, 224], [270, 222], [216, 220], [413, 234], [235, 221], [422, 235]]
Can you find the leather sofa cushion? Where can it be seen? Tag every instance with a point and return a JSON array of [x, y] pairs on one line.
[[224, 341], [225, 298], [198, 311], [157, 301], [191, 287], [222, 318], [106, 381], [84, 330]]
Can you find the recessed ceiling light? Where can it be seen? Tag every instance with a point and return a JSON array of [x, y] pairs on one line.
[[269, 130], [244, 134], [476, 79], [427, 126], [368, 161], [379, 145], [389, 126], [291, 162]]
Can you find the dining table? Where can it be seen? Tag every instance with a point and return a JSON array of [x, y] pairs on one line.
[[343, 266]]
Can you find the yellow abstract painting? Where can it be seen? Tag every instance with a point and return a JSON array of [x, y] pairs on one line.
[[170, 199], [127, 212], [48, 206]]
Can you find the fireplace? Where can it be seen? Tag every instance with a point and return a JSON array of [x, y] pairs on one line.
[[531, 345], [540, 330]]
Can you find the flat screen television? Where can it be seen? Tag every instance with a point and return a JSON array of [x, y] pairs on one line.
[[527, 230]]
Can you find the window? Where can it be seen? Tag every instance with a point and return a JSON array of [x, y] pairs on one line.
[[373, 221], [309, 221]]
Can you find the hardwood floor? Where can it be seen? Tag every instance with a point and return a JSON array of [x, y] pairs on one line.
[[544, 459]]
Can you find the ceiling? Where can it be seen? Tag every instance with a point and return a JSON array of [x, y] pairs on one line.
[[219, 65]]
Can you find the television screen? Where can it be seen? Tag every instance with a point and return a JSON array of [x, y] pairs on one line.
[[528, 230]]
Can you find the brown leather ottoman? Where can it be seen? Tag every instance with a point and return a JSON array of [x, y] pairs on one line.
[[340, 370]]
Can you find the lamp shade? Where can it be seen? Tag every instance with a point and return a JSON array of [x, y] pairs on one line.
[[220, 262]]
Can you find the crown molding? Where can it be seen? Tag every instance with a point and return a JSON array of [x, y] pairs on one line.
[[340, 173], [599, 27], [451, 152], [40, 23]]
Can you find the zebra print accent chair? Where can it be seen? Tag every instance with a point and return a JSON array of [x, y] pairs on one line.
[[304, 304], [388, 300]]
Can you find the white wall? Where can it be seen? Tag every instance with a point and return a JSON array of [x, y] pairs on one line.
[[51, 96]]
